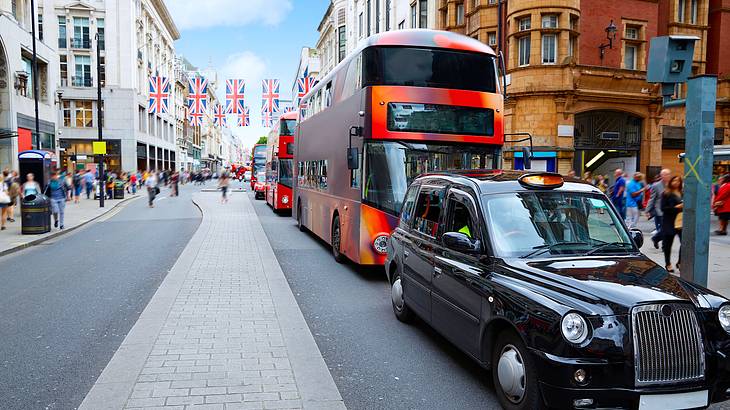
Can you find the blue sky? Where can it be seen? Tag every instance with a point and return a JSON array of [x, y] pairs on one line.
[[249, 39]]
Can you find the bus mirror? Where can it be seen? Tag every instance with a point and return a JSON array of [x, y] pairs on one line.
[[355, 131], [526, 158], [352, 158]]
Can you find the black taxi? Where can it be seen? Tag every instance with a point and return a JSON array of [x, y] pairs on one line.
[[538, 279]]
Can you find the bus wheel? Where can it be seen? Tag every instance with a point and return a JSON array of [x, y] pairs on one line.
[[337, 240], [300, 224]]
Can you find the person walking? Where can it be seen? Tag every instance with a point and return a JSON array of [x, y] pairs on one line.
[[617, 192], [152, 188], [133, 182], [14, 191], [88, 183], [654, 207], [721, 204], [77, 186], [634, 198], [174, 184], [4, 202], [223, 183], [671, 220], [57, 191]]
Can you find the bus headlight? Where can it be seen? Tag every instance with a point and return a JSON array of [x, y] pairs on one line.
[[380, 244], [285, 199]]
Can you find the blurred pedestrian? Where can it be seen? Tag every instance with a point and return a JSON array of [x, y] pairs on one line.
[[601, 183], [671, 219], [174, 184], [68, 180], [57, 191], [721, 204], [77, 186], [223, 183], [654, 207], [152, 188], [588, 177], [617, 192], [14, 191], [4, 201], [634, 200], [30, 187], [571, 173], [133, 182]]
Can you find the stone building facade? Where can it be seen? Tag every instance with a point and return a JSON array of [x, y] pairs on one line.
[[585, 98]]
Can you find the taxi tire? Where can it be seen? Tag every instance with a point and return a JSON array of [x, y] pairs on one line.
[[532, 399], [405, 314], [339, 256]]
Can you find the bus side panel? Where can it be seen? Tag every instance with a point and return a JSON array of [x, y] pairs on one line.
[[373, 222], [281, 191]]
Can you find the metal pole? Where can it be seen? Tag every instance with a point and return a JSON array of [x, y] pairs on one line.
[[102, 180], [35, 78], [699, 141]]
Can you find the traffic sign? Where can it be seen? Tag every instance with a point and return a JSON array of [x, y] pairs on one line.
[[99, 147]]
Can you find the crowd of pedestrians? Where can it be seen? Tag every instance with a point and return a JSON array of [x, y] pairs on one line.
[[661, 201]]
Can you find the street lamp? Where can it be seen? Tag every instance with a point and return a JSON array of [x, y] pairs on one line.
[[610, 36], [102, 180]]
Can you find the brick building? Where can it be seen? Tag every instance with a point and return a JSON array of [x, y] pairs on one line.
[[584, 97]]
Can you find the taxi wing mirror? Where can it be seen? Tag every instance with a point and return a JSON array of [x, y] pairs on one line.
[[638, 237], [460, 242]]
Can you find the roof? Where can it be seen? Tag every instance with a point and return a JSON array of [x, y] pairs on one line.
[[428, 38], [293, 115], [501, 181]]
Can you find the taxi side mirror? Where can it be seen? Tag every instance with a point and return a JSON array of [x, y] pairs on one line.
[[638, 237], [460, 242]]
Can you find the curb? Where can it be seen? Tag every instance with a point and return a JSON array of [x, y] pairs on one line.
[[64, 231]]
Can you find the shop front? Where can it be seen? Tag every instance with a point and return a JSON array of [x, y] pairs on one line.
[[79, 154]]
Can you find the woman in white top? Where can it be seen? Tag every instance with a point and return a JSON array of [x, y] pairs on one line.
[[4, 202], [30, 187]]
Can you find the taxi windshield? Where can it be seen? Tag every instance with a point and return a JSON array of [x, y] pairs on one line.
[[531, 224]]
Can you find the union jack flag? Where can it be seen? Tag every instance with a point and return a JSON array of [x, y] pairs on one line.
[[234, 96], [159, 95], [198, 95], [267, 120], [195, 119], [219, 116], [243, 118], [289, 108], [270, 97], [304, 85]]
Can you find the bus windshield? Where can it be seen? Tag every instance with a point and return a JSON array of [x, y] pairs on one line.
[[287, 127], [426, 67], [390, 166], [285, 172]]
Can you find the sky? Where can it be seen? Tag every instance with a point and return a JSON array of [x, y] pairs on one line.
[[248, 39]]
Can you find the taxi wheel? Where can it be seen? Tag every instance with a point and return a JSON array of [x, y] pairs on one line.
[[514, 375], [397, 297], [337, 240]]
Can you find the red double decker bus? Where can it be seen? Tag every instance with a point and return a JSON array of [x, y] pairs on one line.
[[404, 103], [258, 163], [279, 163]]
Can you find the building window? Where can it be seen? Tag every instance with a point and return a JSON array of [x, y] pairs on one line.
[[102, 71], [368, 8], [459, 14], [632, 33], [342, 38], [402, 25], [423, 13], [574, 22], [413, 15], [630, 52], [82, 65], [474, 4], [28, 68], [360, 25], [81, 33], [66, 113], [84, 114], [550, 21], [492, 38], [681, 5], [524, 23], [387, 15], [693, 11], [549, 48], [40, 24], [100, 29], [572, 45], [524, 50], [63, 61], [62, 32]]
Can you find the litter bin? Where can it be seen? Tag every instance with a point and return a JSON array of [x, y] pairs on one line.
[[119, 190], [35, 213]]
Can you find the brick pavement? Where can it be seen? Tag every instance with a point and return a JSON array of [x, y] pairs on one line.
[[222, 332]]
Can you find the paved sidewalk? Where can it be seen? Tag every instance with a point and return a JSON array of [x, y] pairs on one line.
[[719, 264], [223, 330], [75, 216]]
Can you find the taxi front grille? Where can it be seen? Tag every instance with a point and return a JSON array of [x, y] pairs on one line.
[[667, 344]]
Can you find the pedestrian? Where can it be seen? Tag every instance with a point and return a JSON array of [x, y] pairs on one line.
[[721, 204], [654, 207], [77, 186], [57, 191], [634, 199], [152, 188], [30, 187], [174, 181], [68, 180], [88, 183], [671, 219], [133, 182], [601, 183], [571, 173], [588, 177], [223, 185], [4, 202], [617, 192], [14, 192]]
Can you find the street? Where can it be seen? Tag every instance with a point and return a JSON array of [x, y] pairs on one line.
[[376, 361], [66, 305]]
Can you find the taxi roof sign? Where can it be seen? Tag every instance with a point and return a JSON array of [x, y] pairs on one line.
[[543, 180]]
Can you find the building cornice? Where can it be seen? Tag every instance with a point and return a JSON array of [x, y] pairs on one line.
[[166, 18], [326, 14]]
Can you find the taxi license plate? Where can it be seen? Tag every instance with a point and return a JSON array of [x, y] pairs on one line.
[[674, 401]]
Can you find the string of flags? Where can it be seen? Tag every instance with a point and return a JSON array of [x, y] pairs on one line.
[[196, 105]]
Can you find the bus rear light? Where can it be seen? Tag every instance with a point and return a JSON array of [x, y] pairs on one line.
[[285, 199], [380, 244]]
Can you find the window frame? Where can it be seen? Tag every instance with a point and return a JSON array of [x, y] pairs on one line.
[[430, 189], [528, 42], [550, 16], [554, 48], [415, 188], [635, 56], [524, 27], [460, 195]]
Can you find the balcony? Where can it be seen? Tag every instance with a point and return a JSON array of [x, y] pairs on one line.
[[82, 43], [81, 81]]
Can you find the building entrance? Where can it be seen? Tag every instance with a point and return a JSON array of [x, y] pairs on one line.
[[607, 140]]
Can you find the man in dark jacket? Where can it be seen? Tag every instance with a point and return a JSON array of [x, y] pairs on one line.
[[654, 207]]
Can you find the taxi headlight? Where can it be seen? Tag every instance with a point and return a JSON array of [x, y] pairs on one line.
[[380, 244], [574, 328], [285, 199], [724, 316]]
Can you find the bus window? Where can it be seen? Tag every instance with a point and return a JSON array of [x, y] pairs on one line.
[[287, 127], [440, 119], [353, 79]]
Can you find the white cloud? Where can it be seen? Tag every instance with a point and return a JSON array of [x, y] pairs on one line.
[[192, 14]]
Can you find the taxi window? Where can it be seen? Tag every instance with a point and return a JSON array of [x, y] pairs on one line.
[[428, 210], [461, 218], [406, 214]]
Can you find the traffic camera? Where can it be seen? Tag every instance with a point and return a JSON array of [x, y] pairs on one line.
[[670, 61]]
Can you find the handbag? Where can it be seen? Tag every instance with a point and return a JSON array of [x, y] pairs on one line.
[[678, 221], [4, 198]]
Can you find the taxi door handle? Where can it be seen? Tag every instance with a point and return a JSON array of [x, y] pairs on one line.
[[437, 271]]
